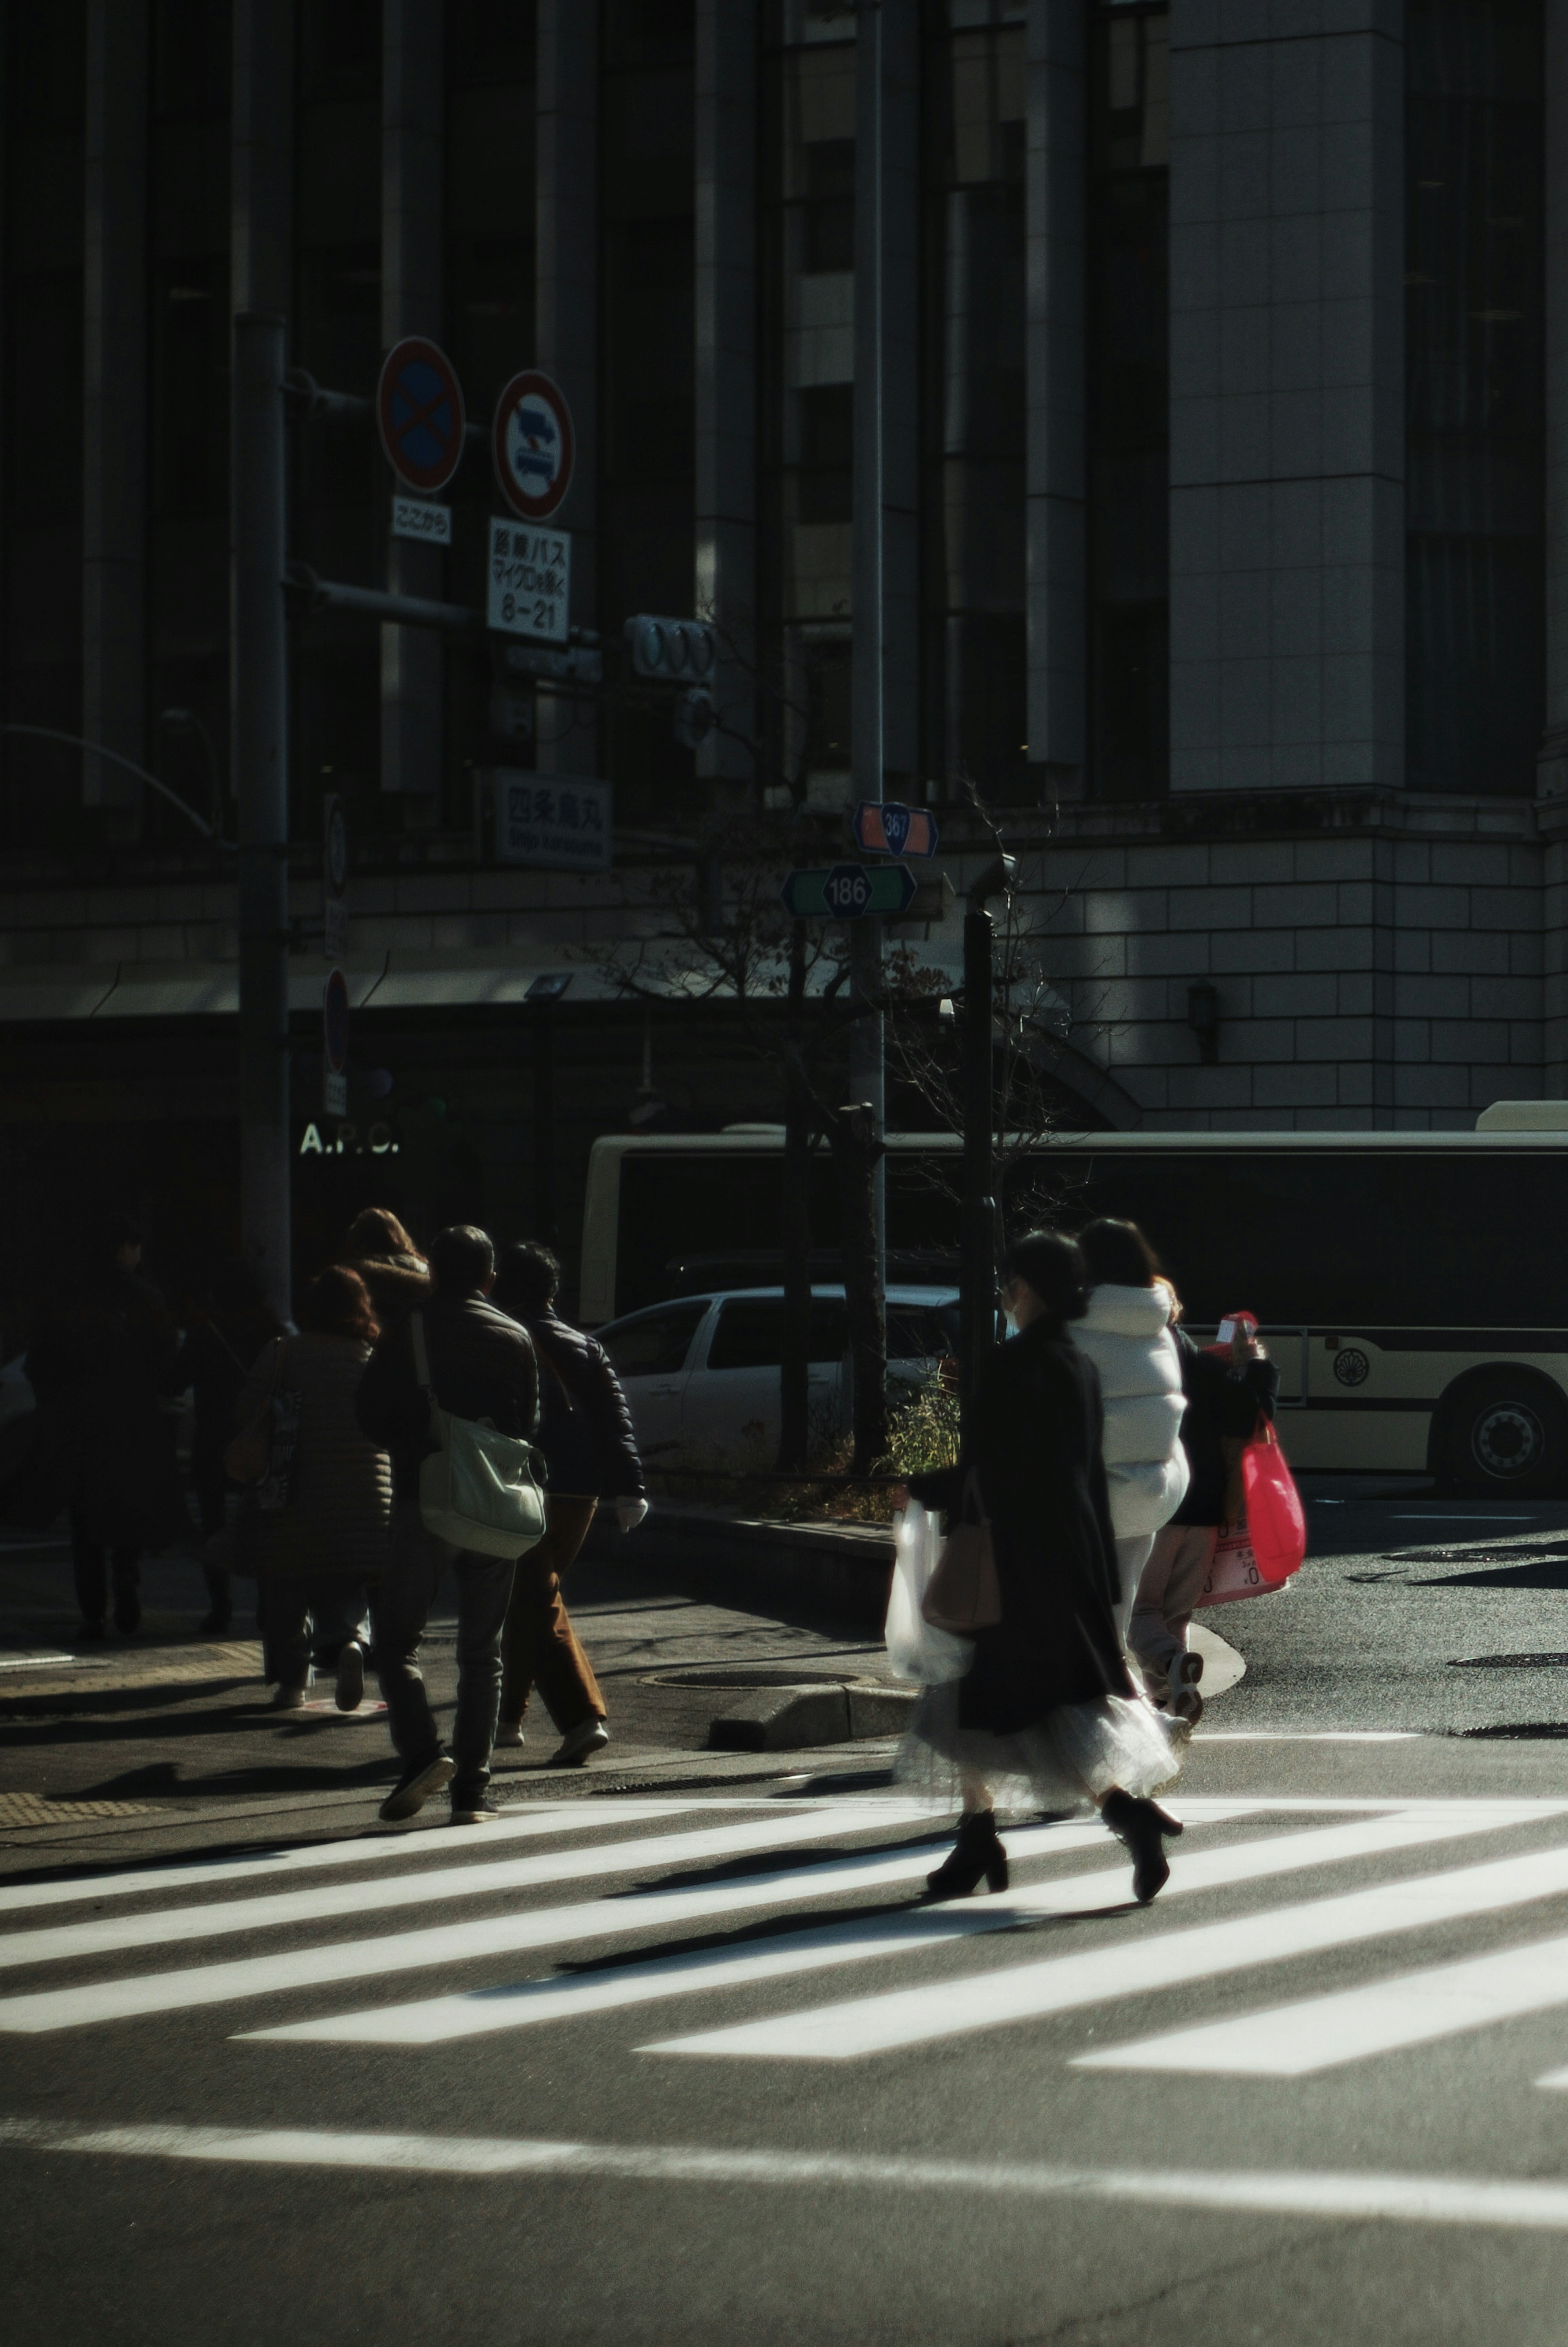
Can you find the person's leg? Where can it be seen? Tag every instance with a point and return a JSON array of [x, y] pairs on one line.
[[539, 1645], [1131, 1556], [484, 1587], [210, 1499], [125, 1567], [1188, 1574], [413, 1562], [1148, 1640], [89, 1570], [286, 1637], [337, 1616]]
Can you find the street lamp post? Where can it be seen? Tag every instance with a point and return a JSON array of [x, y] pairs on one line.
[[977, 1228]]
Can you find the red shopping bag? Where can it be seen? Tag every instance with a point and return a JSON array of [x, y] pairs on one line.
[[1276, 1525]]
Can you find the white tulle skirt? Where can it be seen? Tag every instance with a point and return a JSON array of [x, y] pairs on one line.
[[1066, 1762]]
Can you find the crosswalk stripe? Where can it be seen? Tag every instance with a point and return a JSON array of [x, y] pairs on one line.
[[1512, 2203], [1291, 2041], [426, 1887], [1060, 1984], [494, 1935], [364, 1850], [481, 2011]]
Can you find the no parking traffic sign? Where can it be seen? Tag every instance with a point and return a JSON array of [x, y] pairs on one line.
[[419, 413], [532, 444]]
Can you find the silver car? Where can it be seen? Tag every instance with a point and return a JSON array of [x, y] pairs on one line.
[[702, 1372]]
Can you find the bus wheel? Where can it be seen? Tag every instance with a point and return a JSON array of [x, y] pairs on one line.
[[1505, 1434]]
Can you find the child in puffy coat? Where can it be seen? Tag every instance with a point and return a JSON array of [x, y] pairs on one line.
[[1127, 1335]]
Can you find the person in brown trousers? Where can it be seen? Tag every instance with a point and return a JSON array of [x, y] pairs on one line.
[[590, 1453]]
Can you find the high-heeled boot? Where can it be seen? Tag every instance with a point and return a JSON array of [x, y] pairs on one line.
[[977, 1851], [1142, 1826]]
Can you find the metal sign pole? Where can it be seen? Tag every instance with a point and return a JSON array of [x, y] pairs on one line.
[[260, 669], [868, 1064]]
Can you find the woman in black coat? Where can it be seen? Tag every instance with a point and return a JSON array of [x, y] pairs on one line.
[[1048, 1699]]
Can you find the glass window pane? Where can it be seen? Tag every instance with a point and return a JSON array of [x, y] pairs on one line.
[[657, 1344]]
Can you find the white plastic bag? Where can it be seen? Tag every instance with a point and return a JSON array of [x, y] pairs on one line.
[[914, 1649]]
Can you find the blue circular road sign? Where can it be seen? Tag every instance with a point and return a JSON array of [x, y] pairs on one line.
[[419, 413]]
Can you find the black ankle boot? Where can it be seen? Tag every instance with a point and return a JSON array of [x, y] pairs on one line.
[[1141, 1825], [977, 1851]]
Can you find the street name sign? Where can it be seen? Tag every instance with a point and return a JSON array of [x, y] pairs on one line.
[[559, 823], [419, 415], [334, 1045], [335, 877], [532, 445], [848, 891], [423, 519], [887, 827], [529, 587]]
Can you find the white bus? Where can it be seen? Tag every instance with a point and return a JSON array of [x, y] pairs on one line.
[[1412, 1287]]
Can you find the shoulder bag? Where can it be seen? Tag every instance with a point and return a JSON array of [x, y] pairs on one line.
[[478, 1488], [262, 1455], [963, 1594]]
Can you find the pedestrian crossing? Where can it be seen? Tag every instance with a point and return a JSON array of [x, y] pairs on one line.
[[709, 1928]]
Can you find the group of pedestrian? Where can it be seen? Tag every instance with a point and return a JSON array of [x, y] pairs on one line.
[[307, 1446], [1104, 1449]]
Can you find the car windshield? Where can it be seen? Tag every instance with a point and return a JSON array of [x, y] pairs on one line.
[[654, 1343]]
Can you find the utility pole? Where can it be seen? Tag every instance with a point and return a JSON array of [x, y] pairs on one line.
[[978, 1225], [260, 654], [868, 1061]]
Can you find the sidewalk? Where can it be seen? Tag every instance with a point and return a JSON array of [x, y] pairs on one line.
[[165, 1742]]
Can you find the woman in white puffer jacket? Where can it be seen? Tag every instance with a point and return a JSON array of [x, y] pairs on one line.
[[1126, 1334]]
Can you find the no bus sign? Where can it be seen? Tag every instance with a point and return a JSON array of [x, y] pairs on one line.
[[419, 413], [532, 445]]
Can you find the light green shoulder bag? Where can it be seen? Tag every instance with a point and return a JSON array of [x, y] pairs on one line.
[[478, 1488]]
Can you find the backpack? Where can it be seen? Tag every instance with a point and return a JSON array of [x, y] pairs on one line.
[[478, 1488]]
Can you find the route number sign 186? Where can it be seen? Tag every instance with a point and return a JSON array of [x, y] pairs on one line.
[[529, 580]]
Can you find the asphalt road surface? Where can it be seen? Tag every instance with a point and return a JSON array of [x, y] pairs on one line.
[[694, 2064]]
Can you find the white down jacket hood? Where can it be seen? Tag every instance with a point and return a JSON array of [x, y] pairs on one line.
[[1125, 1335]]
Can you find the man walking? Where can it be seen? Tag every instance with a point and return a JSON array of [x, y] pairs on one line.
[[481, 1366], [590, 1453]]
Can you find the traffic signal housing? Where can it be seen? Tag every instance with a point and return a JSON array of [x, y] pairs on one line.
[[672, 651]]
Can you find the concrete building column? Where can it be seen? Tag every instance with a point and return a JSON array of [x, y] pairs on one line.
[[725, 583], [114, 400], [412, 162], [1287, 425], [1553, 769], [1055, 228], [565, 324]]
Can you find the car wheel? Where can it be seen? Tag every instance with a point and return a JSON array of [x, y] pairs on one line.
[[1506, 1434]]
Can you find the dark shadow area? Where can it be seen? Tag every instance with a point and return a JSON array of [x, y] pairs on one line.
[[1549, 1572], [163, 1776], [777, 1861]]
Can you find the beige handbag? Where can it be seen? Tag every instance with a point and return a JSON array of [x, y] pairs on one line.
[[963, 1594]]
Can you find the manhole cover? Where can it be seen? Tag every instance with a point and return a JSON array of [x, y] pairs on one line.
[[1511, 1663], [1527, 1731]]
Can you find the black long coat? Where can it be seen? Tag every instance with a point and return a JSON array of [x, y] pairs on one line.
[[100, 1368], [1036, 1449]]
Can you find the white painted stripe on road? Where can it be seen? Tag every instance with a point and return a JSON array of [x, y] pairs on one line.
[[951, 2008], [364, 1850], [1307, 1736], [495, 1935], [427, 1886], [1292, 2041], [437, 2020], [1517, 2204]]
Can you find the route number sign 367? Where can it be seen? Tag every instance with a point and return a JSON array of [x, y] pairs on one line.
[[529, 580]]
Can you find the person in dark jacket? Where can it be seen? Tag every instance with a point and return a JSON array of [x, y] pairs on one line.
[[378, 1247], [1047, 1703], [481, 1365], [100, 1370], [214, 1364], [1226, 1393], [590, 1454]]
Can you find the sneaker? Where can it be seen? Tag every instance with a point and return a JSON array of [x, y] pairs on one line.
[[288, 1699], [1182, 1679], [476, 1813], [508, 1735], [413, 1790], [350, 1676], [589, 1735]]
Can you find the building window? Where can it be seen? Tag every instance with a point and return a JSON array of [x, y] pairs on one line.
[[1128, 387], [1475, 393]]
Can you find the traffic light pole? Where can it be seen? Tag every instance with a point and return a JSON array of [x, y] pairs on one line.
[[868, 1058], [260, 676]]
